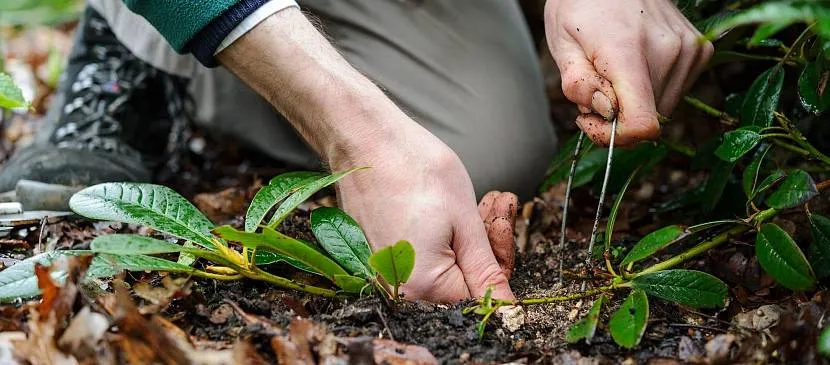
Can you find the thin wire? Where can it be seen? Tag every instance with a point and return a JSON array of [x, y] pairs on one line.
[[574, 161], [588, 263]]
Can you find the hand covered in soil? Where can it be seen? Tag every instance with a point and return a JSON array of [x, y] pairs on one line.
[[420, 191], [635, 57]]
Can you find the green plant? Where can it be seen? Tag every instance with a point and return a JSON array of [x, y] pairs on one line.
[[763, 166], [343, 255], [10, 95]]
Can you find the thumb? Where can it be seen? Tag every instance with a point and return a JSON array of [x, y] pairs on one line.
[[475, 258], [582, 84]]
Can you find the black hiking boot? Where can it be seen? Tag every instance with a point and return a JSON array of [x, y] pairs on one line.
[[112, 119]]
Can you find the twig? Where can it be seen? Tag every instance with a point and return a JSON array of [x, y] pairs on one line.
[[588, 263], [567, 203], [385, 325]]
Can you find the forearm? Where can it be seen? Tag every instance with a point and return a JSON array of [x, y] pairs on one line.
[[287, 61]]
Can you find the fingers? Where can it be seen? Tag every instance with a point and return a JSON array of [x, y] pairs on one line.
[[500, 226], [475, 258], [486, 204]]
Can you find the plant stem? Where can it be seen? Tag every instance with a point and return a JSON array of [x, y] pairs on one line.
[[678, 147], [259, 274], [564, 298], [221, 277], [790, 147], [707, 245], [706, 108]]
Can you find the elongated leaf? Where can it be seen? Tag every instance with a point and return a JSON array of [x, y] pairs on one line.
[[795, 190], [688, 287], [820, 246], [305, 192], [612, 217], [773, 179], [279, 188], [737, 143], [342, 238], [781, 258], [654, 242], [19, 282], [131, 244], [587, 326], [155, 206], [272, 240], [761, 100], [813, 90], [144, 263], [715, 184], [353, 284], [777, 12], [752, 172], [394, 263], [263, 257], [10, 95], [628, 323]]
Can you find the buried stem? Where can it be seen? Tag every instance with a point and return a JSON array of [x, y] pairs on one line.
[[563, 298]]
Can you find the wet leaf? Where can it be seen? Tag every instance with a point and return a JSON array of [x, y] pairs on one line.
[[587, 326], [10, 95], [279, 188], [687, 287], [820, 246], [761, 100], [781, 258], [394, 263], [628, 323], [737, 143], [303, 193], [154, 206], [771, 180], [813, 88], [342, 238], [795, 190], [272, 240], [654, 242]]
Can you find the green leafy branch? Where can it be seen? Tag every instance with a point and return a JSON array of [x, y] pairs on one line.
[[343, 255]]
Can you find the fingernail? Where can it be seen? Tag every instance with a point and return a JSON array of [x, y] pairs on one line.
[[602, 105], [583, 109]]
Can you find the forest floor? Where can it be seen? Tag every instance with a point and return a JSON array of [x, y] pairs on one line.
[[176, 319]]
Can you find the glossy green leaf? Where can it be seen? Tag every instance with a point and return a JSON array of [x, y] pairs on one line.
[[628, 323], [771, 180], [155, 206], [587, 326], [737, 143], [820, 246], [715, 184], [279, 188], [343, 239], [766, 30], [795, 190], [353, 284], [394, 263], [687, 287], [777, 12], [272, 240], [10, 95], [781, 258], [751, 174], [813, 88], [303, 193], [762, 99], [654, 242]]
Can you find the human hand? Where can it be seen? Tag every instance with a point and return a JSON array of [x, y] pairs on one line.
[[634, 57], [419, 191]]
